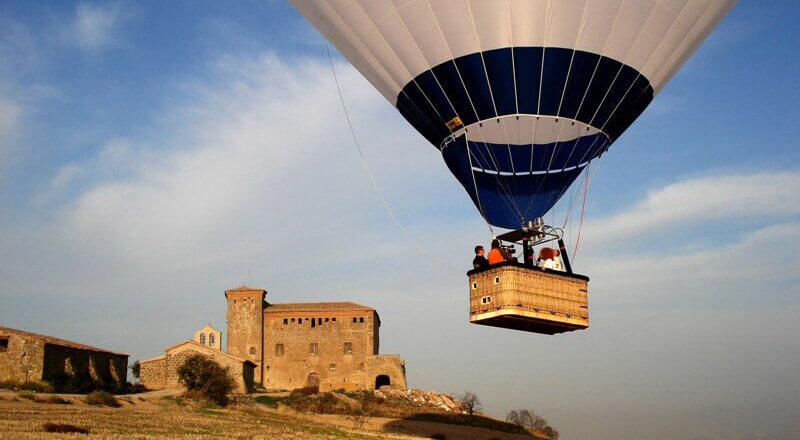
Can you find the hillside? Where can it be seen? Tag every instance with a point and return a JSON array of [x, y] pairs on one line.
[[161, 415]]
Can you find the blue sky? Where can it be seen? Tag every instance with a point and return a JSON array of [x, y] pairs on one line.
[[153, 154]]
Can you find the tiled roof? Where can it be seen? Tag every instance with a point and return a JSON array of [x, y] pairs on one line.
[[245, 289], [57, 341], [318, 307]]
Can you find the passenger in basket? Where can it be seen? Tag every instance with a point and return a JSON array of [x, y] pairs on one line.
[[497, 255], [557, 261], [480, 262], [546, 258]]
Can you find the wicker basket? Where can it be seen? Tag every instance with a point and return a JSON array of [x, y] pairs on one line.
[[529, 299]]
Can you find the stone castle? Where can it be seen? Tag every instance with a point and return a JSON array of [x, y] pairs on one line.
[[285, 346]]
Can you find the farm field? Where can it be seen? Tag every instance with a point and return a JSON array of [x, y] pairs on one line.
[[161, 416]]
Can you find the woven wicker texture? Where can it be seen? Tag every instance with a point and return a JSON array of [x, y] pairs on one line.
[[516, 288]]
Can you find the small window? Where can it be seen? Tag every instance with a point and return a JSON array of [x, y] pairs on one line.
[[474, 286], [319, 321], [326, 319], [252, 350], [285, 321], [361, 319], [3, 344], [299, 320], [355, 320], [292, 321], [313, 348], [202, 338], [211, 339], [313, 323], [348, 348], [333, 319], [332, 367], [497, 280], [278, 349]]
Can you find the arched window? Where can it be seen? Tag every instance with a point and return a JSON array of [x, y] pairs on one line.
[[202, 338], [211, 339]]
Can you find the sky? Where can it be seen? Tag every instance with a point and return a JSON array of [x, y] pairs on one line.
[[154, 154]]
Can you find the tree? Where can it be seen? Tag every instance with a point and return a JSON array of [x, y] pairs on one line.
[[531, 421], [202, 375], [136, 368], [471, 402]]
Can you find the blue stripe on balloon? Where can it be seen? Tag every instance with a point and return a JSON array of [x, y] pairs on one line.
[[583, 86], [508, 201], [553, 156], [593, 88]]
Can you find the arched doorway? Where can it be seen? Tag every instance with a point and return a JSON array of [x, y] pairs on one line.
[[312, 380], [382, 380]]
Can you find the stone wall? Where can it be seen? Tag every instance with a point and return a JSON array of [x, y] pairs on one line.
[[33, 358], [330, 365], [162, 372], [101, 367], [245, 329], [391, 367], [152, 373], [22, 360]]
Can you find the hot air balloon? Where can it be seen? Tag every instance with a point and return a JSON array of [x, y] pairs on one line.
[[519, 96]]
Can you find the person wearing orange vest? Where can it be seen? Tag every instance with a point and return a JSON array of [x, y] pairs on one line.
[[497, 255]]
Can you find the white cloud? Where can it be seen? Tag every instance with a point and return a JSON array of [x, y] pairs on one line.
[[93, 25], [760, 196], [742, 271], [266, 150]]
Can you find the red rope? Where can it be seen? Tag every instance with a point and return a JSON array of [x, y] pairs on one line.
[[583, 211]]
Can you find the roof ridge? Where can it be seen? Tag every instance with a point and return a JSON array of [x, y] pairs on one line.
[[52, 340]]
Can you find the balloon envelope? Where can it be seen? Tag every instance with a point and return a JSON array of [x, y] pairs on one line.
[[518, 95]]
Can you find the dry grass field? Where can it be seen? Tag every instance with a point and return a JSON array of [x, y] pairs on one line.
[[159, 416]]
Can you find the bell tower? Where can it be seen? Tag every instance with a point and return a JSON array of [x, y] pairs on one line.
[[245, 318]]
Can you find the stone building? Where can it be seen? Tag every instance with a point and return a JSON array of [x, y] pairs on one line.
[[286, 346], [29, 357], [162, 371], [332, 345]]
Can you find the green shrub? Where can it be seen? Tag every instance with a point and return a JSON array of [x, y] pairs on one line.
[[308, 391], [269, 401], [102, 398], [202, 376], [38, 387], [439, 436], [135, 368], [65, 428]]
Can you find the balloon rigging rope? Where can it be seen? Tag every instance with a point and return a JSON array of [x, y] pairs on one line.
[[475, 185], [368, 169], [587, 180]]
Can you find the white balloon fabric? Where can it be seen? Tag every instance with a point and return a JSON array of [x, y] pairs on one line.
[[519, 95]]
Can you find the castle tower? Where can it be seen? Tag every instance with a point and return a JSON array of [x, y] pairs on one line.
[[245, 319]]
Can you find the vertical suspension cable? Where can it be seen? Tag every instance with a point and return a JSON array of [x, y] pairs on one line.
[[367, 168], [475, 184]]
